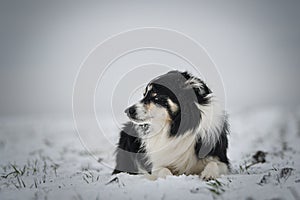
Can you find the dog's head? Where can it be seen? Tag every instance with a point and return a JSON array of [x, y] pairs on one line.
[[171, 100]]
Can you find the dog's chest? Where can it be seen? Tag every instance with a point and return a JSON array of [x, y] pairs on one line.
[[175, 153]]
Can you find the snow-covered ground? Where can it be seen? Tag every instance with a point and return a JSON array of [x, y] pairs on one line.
[[42, 158]]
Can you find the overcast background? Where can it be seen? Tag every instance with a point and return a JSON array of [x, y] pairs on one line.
[[255, 45]]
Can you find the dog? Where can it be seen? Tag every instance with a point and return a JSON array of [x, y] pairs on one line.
[[177, 128]]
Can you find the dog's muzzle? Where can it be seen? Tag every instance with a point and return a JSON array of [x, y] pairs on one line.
[[131, 112]]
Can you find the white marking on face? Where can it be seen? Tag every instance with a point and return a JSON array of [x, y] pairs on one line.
[[147, 89], [153, 114], [142, 115]]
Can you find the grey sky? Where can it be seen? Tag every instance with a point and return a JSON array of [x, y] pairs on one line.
[[255, 45]]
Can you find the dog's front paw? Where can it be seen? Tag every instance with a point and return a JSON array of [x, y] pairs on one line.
[[210, 172], [209, 176]]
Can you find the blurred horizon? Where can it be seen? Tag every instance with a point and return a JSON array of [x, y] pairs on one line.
[[254, 44]]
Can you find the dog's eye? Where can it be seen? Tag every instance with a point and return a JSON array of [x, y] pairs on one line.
[[158, 97]]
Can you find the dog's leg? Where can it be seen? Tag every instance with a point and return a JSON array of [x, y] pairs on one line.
[[159, 173], [213, 170]]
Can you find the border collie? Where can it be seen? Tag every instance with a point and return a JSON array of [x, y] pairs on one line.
[[177, 128]]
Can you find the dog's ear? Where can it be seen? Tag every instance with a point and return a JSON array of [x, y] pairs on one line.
[[199, 86], [199, 89], [195, 83]]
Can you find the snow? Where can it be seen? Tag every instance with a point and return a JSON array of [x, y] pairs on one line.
[[43, 158]]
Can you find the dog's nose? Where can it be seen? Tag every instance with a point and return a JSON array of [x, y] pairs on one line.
[[130, 111]]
